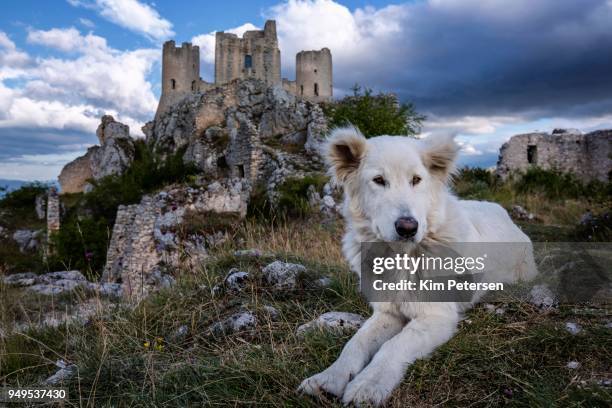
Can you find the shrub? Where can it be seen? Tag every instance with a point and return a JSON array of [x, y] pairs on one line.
[[293, 195], [557, 185], [374, 114], [81, 244], [18, 206], [473, 182], [595, 228]]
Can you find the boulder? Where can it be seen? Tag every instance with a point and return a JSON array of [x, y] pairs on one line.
[[542, 297], [282, 275], [235, 323], [28, 240]]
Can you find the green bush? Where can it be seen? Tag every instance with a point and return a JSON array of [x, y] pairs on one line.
[[473, 182], [595, 228], [18, 206], [146, 174], [81, 244], [293, 195], [557, 185], [373, 114]]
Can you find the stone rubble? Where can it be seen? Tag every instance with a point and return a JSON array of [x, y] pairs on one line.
[[332, 321], [520, 213]]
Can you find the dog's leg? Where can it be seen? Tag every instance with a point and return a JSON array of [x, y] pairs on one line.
[[355, 355], [417, 339]]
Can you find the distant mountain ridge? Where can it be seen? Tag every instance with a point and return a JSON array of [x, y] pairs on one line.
[[11, 185]]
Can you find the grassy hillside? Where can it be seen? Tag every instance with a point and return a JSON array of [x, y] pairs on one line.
[[163, 354]]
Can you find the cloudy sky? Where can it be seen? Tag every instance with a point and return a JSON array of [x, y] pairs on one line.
[[481, 69]]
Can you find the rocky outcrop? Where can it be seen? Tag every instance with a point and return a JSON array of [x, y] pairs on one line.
[[56, 283], [243, 129], [113, 156], [153, 238]]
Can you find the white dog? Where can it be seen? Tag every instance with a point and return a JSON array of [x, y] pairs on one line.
[[395, 189]]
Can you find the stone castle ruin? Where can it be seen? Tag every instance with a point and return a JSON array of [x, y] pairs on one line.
[[256, 55], [588, 156]]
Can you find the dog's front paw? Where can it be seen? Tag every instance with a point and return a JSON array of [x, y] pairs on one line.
[[330, 381], [367, 390]]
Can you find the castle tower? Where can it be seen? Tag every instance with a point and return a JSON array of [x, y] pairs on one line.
[[180, 73], [313, 75], [255, 55]]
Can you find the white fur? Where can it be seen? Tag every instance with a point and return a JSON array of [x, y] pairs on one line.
[[374, 361]]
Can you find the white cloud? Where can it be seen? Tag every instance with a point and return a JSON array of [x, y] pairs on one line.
[[138, 17], [86, 22], [57, 103], [10, 56]]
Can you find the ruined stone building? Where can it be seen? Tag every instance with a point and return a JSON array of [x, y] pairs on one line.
[[255, 55], [588, 156]]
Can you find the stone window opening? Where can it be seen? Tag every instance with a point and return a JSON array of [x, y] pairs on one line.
[[315, 70], [316, 89], [241, 170], [532, 154], [302, 90], [222, 163], [193, 85], [173, 83], [248, 61]]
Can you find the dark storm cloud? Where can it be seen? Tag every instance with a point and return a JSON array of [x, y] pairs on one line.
[[533, 58]]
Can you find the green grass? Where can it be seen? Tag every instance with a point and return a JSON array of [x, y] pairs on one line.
[[516, 359]]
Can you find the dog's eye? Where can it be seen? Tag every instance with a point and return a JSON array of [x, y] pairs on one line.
[[415, 180], [379, 180]]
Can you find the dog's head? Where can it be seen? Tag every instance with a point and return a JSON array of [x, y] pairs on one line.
[[393, 183]]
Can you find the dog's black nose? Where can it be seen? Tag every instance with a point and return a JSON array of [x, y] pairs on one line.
[[406, 227]]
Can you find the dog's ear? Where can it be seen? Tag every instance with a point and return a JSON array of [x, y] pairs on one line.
[[439, 154], [344, 151]]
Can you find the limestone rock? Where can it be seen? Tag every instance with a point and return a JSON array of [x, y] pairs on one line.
[[243, 129], [65, 373], [282, 275], [236, 323], [272, 312], [573, 328], [114, 155], [28, 240], [334, 321], [542, 297], [20, 279], [236, 280]]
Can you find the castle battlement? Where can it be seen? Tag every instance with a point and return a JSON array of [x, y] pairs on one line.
[[254, 55]]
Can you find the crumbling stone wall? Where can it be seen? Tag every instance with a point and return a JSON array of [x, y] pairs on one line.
[[146, 246], [53, 211], [588, 156]]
